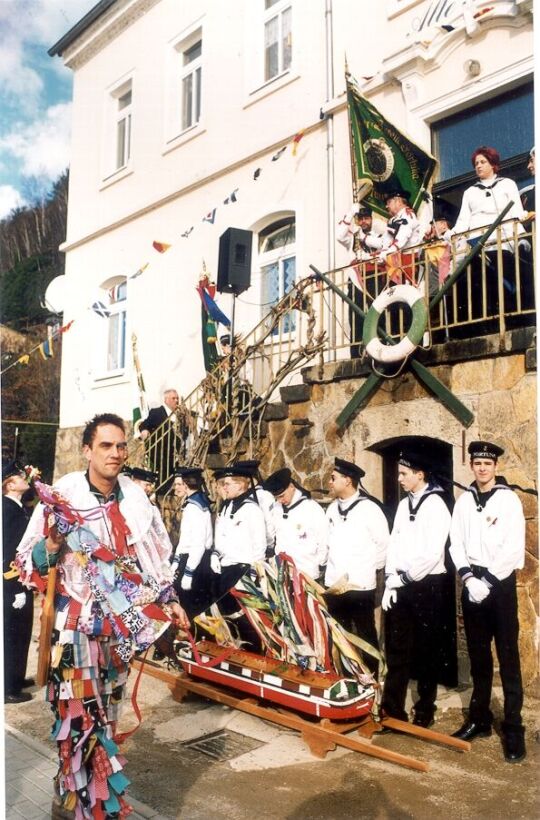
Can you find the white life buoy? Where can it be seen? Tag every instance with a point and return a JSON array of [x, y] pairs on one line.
[[376, 348]]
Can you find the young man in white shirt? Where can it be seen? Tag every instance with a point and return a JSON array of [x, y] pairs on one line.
[[357, 542], [487, 546]]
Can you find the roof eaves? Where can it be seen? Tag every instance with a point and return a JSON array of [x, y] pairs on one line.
[[74, 32]]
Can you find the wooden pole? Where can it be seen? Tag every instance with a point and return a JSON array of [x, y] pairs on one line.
[[46, 628]]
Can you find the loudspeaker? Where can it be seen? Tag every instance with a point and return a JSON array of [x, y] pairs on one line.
[[234, 265]]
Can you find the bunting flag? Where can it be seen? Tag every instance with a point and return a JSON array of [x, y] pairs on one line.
[[231, 198], [101, 310], [138, 272], [210, 216], [212, 309], [186, 233], [160, 247], [257, 173], [279, 153], [296, 139], [384, 156], [45, 348], [439, 256]]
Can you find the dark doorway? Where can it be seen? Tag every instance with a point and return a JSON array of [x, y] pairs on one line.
[[390, 450]]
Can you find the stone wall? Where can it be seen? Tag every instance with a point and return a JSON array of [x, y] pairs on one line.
[[498, 386]]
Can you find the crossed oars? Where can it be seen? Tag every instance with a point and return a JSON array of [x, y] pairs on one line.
[[431, 382]]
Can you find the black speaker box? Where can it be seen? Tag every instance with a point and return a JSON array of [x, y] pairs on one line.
[[234, 265]]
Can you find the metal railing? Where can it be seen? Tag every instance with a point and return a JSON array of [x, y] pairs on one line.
[[494, 293]]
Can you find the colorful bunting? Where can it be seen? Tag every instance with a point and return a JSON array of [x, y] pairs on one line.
[[138, 272], [296, 139], [257, 173], [45, 348], [160, 247], [186, 233], [24, 359]]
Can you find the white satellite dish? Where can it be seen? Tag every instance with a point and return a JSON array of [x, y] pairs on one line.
[[55, 295]]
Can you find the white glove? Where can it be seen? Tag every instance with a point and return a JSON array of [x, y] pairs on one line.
[[447, 235], [215, 563], [19, 600], [389, 597], [394, 581], [355, 207], [477, 589], [186, 582]]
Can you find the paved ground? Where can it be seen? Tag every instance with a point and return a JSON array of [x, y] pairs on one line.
[[248, 768]]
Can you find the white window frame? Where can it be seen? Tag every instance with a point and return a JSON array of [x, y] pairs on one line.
[[114, 117], [177, 131], [277, 9], [123, 124], [103, 332], [277, 256]]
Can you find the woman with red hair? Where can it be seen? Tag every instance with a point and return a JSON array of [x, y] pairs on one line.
[[481, 205]]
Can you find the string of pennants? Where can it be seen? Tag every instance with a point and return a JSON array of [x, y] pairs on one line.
[[45, 348]]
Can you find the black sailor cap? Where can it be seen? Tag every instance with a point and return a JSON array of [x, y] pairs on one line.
[[484, 449], [278, 482], [142, 474], [415, 460], [348, 468]]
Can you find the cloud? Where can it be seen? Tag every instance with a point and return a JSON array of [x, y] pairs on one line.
[[42, 146], [9, 198]]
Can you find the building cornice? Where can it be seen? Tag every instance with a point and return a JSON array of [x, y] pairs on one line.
[[108, 25]]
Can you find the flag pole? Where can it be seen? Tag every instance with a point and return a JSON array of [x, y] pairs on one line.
[[354, 177]]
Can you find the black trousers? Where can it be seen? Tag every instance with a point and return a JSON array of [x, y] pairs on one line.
[[17, 636], [495, 618], [355, 611], [413, 633]]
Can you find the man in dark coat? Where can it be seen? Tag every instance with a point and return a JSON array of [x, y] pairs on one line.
[[171, 443], [18, 602]]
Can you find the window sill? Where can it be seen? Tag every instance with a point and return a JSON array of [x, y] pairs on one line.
[[181, 139], [110, 379], [275, 84], [116, 176]]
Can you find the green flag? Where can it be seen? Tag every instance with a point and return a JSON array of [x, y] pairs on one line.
[[384, 155]]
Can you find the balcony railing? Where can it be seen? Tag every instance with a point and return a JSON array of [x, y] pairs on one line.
[[224, 414]]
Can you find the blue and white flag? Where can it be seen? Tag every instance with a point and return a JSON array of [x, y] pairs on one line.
[[101, 310]]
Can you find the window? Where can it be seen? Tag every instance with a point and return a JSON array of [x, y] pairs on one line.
[[191, 84], [277, 38], [277, 260], [123, 99], [114, 342]]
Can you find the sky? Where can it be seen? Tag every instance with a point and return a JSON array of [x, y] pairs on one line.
[[35, 97]]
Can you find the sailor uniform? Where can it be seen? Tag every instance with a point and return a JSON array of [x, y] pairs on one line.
[[357, 542], [240, 543], [301, 532], [266, 503], [17, 622], [414, 625], [194, 545], [484, 201], [488, 542]]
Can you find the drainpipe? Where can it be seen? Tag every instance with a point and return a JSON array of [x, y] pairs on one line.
[[330, 173]]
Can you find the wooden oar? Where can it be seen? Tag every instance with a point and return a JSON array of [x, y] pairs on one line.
[[45, 634]]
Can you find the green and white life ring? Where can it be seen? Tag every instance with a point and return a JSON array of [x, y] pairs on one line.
[[376, 348]]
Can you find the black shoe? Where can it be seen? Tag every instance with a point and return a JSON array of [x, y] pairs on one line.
[[471, 730], [27, 683], [423, 720], [514, 748], [18, 697]]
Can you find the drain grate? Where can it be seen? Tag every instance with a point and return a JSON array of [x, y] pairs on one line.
[[223, 745]]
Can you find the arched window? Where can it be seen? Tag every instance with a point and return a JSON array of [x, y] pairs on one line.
[[111, 346], [277, 262]]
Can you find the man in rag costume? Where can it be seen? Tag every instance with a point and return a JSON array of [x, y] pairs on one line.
[[113, 596]]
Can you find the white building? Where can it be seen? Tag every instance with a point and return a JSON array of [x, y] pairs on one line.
[[181, 104]]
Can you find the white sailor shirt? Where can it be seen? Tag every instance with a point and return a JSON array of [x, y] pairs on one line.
[[419, 535], [492, 536], [240, 535], [196, 534], [266, 503], [483, 202], [301, 533], [357, 541], [402, 231]]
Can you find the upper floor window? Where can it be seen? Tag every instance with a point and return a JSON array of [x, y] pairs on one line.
[[116, 336], [191, 72], [277, 37], [123, 99], [277, 261]]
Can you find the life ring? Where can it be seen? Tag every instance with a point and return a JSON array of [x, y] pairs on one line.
[[376, 348]]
